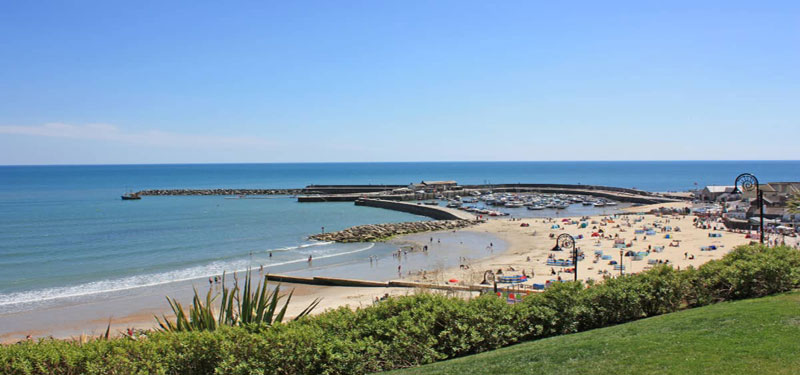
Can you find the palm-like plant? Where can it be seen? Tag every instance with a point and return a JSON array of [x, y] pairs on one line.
[[794, 203], [237, 307]]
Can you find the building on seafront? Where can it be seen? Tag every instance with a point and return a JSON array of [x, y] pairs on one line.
[[717, 193], [776, 196]]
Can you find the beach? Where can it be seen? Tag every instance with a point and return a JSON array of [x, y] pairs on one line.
[[511, 245], [529, 246]]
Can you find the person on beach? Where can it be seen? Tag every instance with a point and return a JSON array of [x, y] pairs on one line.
[[270, 254], [309, 259]]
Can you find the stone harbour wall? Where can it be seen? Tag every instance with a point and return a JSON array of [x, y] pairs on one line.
[[168, 192], [378, 232]]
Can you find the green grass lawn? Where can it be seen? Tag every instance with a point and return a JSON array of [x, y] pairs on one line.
[[758, 336]]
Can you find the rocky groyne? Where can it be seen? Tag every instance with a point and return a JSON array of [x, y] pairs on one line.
[[379, 232], [171, 192]]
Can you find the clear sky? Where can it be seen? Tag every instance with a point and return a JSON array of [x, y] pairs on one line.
[[102, 82]]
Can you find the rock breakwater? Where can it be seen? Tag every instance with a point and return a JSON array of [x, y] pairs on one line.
[[379, 232], [168, 192]]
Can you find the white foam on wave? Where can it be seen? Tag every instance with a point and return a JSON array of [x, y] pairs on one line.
[[15, 302], [303, 246]]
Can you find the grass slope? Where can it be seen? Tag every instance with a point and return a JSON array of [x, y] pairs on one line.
[[757, 336]]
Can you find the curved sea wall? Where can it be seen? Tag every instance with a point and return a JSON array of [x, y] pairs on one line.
[[433, 212], [379, 232]]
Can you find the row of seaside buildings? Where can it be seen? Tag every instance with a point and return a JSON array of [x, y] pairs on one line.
[[744, 206]]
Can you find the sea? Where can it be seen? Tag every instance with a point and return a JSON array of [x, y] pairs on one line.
[[65, 234]]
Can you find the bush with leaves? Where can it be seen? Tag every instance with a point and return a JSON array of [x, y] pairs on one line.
[[406, 331]]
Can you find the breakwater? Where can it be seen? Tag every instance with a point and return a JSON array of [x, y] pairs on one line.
[[613, 193], [351, 193], [379, 232], [433, 212], [176, 192]]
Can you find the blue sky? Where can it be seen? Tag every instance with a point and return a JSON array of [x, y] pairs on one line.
[[191, 82]]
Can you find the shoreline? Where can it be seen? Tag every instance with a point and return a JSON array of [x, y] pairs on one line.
[[137, 308], [515, 249]]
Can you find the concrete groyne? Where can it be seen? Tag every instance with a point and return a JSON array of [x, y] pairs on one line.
[[380, 232], [331, 281]]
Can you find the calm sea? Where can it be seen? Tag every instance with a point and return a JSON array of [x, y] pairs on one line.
[[64, 232]]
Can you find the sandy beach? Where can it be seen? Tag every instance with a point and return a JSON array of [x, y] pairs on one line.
[[676, 241], [522, 246]]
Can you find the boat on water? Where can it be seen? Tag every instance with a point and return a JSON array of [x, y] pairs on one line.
[[131, 196], [586, 203], [599, 204], [537, 207], [432, 203]]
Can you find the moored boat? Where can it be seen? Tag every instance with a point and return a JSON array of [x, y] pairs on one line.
[[130, 196]]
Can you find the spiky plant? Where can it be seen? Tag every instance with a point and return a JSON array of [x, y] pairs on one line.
[[237, 307], [794, 203]]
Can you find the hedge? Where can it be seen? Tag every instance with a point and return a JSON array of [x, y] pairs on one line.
[[417, 329]]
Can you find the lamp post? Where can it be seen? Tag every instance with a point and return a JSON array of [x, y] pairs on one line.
[[621, 252], [750, 183], [565, 241]]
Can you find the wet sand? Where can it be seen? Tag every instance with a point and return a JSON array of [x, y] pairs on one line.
[[136, 308]]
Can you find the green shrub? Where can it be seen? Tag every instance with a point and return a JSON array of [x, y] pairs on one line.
[[414, 330], [749, 272]]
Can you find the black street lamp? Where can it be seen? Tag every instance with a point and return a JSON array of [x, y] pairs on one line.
[[621, 252], [750, 183], [565, 241]]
